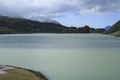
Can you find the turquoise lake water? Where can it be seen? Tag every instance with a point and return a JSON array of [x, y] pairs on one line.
[[64, 56]]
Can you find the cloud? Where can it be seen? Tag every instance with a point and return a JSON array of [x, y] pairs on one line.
[[56, 8]]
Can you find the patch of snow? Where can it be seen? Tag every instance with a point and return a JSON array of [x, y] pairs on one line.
[[2, 72], [3, 68], [43, 19]]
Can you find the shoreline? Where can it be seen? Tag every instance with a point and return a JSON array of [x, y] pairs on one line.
[[36, 73]]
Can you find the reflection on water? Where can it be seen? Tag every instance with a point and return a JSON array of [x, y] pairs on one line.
[[64, 56]]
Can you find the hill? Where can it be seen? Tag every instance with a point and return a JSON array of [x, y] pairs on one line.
[[18, 25], [114, 30]]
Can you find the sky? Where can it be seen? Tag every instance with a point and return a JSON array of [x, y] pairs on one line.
[[95, 13]]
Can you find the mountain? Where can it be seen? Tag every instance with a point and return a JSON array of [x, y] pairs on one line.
[[49, 21], [87, 29], [99, 30], [107, 27], [17, 25], [44, 20], [115, 29], [12, 25]]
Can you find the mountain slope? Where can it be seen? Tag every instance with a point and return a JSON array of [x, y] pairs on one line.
[[44, 20], [107, 27], [114, 28], [10, 25], [17, 25]]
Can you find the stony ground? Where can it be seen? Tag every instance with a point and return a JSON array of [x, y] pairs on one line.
[[13, 73]]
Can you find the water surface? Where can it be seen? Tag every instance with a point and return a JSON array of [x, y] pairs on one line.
[[64, 56]]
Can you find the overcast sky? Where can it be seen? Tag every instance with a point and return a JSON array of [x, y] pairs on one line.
[[95, 13]]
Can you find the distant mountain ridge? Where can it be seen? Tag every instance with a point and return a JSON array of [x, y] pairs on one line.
[[11, 25], [44, 20], [107, 27]]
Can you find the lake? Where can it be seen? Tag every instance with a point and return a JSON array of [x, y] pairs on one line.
[[64, 56]]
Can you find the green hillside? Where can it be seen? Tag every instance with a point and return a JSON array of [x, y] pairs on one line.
[[17, 25], [114, 28]]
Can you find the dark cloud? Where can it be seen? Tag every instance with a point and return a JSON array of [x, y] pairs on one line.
[[56, 8]]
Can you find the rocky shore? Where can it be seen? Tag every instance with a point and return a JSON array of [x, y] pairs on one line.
[[17, 73], [116, 33]]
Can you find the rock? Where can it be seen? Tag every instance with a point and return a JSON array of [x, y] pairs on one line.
[[116, 33], [16, 73]]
